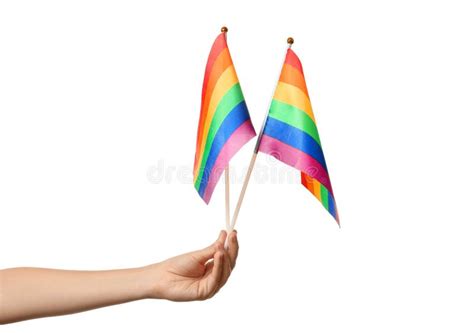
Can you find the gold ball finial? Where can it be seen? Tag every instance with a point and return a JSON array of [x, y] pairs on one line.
[[290, 40], [224, 29]]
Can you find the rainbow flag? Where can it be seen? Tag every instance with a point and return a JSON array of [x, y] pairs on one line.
[[224, 124], [290, 133]]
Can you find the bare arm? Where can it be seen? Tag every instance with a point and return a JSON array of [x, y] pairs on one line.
[[27, 293]]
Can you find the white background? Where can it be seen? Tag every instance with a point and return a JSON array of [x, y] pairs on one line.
[[96, 95]]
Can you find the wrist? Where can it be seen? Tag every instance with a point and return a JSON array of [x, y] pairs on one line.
[[150, 281]]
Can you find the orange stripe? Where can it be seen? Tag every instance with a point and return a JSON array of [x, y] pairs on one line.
[[291, 75], [306, 181]]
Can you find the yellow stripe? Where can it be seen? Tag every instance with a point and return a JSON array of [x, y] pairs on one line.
[[222, 62], [293, 76], [316, 188], [223, 84], [293, 95]]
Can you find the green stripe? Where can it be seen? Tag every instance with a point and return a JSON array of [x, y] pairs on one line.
[[295, 117], [232, 97], [324, 197]]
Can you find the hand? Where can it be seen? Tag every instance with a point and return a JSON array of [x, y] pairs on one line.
[[196, 275], [193, 276]]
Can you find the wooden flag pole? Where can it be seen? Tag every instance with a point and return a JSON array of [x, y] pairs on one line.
[[226, 174], [244, 188], [290, 42], [227, 199]]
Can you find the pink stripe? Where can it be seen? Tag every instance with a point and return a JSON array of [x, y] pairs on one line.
[[295, 158], [239, 138]]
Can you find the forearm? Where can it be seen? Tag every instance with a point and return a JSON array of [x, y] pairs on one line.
[[27, 293]]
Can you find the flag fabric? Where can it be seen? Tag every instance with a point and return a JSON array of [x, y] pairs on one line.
[[290, 133], [224, 123]]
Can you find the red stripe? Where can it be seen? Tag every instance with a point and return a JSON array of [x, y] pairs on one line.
[[219, 44], [295, 158], [293, 60]]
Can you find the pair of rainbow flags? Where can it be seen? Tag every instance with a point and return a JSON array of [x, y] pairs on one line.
[[289, 132]]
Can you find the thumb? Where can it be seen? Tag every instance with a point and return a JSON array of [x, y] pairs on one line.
[[208, 252]]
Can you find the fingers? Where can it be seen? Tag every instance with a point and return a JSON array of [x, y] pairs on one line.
[[227, 270], [207, 253], [222, 237], [223, 263], [215, 278], [233, 249], [230, 256]]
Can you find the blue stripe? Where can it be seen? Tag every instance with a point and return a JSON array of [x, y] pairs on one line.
[[232, 121], [296, 138], [331, 205]]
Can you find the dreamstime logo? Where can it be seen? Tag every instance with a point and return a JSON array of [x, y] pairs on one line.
[[266, 171]]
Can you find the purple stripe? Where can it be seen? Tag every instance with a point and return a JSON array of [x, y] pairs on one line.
[[239, 138], [295, 158]]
